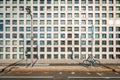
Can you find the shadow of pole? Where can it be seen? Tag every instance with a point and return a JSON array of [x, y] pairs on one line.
[[13, 64], [34, 62], [108, 67]]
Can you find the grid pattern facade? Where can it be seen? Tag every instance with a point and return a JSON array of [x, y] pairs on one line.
[[60, 28]]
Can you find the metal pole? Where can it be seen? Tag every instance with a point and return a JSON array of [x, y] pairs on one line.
[[26, 58], [31, 40], [24, 54], [29, 12], [80, 48], [26, 61], [72, 54], [92, 40]]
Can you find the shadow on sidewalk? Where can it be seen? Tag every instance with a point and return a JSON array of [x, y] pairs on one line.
[[108, 67], [11, 66], [35, 62]]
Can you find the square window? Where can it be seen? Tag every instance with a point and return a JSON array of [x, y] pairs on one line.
[[49, 1], [42, 56], [42, 42], [55, 29], [55, 1], [49, 29], [42, 29], [62, 56], [49, 49], [7, 35], [42, 49], [62, 1], [55, 56], [1, 35], [42, 1]]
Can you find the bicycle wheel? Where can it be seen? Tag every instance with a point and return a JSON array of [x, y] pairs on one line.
[[86, 62], [96, 62]]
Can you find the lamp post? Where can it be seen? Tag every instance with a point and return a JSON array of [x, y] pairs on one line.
[[30, 13], [92, 45], [92, 40], [71, 54], [80, 47]]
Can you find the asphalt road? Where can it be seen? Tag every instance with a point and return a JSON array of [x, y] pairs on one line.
[[61, 76]]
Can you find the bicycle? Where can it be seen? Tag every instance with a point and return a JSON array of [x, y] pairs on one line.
[[91, 61]]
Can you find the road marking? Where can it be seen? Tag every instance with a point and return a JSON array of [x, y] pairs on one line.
[[88, 73], [77, 77], [100, 74], [72, 72], [107, 77], [26, 76]]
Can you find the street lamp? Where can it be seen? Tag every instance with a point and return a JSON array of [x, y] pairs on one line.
[[80, 47], [30, 13], [92, 40], [71, 54]]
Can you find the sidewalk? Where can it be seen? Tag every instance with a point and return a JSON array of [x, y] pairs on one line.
[[57, 66], [57, 61]]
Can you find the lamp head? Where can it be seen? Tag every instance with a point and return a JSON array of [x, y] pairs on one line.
[[28, 10]]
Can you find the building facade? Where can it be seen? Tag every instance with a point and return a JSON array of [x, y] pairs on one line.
[[61, 29]]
